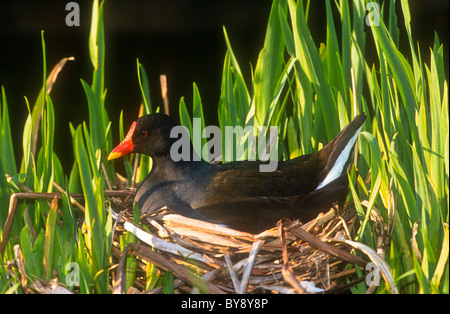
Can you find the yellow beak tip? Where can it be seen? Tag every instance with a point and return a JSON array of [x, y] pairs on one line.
[[114, 155]]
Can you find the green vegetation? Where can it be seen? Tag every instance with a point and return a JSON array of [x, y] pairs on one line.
[[400, 188]]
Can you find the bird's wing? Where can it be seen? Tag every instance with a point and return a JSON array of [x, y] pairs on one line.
[[244, 178], [257, 213]]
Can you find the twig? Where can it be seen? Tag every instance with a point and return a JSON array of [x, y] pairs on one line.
[[323, 246], [286, 270], [163, 80], [105, 173], [135, 167], [120, 282], [51, 79], [234, 278], [202, 229], [159, 243], [157, 259], [250, 263], [72, 200], [48, 196], [8, 223], [52, 287], [21, 265], [279, 289], [21, 186], [176, 284], [381, 264]]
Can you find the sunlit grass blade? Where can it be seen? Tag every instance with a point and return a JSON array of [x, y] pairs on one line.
[[144, 87], [365, 236], [197, 139], [6, 146], [276, 108], [45, 162], [85, 279], [96, 220], [346, 43], [95, 116], [126, 159], [309, 58], [131, 259], [145, 161], [168, 283], [242, 96], [333, 58], [33, 252], [442, 266], [373, 195], [270, 64], [96, 93], [50, 239], [401, 70]]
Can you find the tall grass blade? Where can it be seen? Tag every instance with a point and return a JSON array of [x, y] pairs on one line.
[[97, 223], [269, 65], [50, 240], [6, 146]]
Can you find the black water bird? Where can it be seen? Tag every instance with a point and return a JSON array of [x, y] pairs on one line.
[[237, 194]]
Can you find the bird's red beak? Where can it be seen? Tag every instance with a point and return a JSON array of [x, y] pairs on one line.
[[125, 147]]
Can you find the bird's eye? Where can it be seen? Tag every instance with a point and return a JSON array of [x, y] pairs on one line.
[[144, 133]]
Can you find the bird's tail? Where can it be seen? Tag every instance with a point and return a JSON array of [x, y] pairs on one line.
[[337, 152]]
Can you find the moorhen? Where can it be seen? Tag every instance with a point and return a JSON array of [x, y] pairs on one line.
[[237, 194]]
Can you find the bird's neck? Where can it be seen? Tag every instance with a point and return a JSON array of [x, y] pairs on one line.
[[169, 168]]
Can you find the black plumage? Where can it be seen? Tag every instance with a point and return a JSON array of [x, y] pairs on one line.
[[238, 194]]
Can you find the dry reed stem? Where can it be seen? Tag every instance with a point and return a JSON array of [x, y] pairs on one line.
[[299, 262]]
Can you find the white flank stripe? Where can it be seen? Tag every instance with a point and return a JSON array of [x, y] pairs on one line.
[[336, 171]]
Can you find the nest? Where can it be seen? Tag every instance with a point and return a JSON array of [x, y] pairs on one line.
[[316, 257], [208, 258]]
